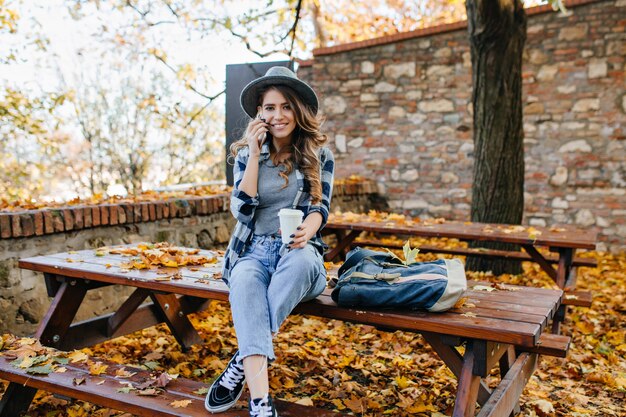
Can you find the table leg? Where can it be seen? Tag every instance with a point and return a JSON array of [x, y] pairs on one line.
[[506, 396], [16, 400], [566, 258], [52, 284], [175, 317], [58, 318], [506, 362], [467, 391], [342, 243], [543, 263], [558, 318], [126, 310], [454, 361]]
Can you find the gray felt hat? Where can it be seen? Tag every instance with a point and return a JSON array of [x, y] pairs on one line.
[[276, 76]]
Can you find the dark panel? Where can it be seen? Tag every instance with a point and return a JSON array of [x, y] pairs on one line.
[[237, 77]]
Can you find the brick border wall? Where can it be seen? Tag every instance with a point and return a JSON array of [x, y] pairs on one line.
[[48, 221]]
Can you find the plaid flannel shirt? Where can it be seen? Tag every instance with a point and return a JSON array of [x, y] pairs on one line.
[[243, 206]]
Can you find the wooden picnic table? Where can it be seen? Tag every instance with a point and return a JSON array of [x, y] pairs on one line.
[[498, 327], [563, 240]]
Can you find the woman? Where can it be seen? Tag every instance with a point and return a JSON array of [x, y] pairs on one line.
[[279, 163]]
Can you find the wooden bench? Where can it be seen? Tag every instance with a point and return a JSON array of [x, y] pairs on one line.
[[501, 328], [104, 390]]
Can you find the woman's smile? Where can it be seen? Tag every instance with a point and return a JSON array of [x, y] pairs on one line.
[[279, 115]]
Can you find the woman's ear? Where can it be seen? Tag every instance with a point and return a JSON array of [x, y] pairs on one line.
[[258, 112]]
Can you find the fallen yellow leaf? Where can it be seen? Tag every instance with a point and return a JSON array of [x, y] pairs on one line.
[[180, 403]]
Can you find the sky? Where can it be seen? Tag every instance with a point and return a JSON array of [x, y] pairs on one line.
[[68, 37]]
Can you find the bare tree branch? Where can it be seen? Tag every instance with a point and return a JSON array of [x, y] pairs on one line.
[[254, 51], [169, 6], [196, 114], [294, 28], [191, 87], [135, 8]]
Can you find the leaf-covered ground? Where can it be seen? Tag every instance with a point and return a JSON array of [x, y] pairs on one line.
[[359, 369]]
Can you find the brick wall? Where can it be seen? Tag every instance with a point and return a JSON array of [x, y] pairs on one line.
[[398, 111]]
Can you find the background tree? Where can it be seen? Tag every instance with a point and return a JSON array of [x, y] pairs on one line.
[[28, 136], [130, 122], [131, 133], [497, 32]]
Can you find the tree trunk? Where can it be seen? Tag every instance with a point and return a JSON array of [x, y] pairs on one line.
[[497, 32]]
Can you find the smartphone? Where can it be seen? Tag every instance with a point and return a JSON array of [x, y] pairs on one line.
[[268, 136]]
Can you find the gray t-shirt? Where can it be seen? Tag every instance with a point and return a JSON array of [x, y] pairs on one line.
[[272, 197]]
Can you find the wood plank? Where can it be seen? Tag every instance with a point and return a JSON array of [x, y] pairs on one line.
[[105, 394], [139, 279], [418, 321], [479, 311], [558, 318], [506, 362], [578, 298], [462, 251], [102, 390], [507, 306], [52, 284], [572, 278], [569, 237], [551, 345], [114, 260], [565, 263], [174, 286], [517, 297], [541, 260], [504, 398], [343, 242]]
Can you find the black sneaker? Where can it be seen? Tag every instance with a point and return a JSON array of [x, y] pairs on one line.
[[227, 388], [263, 407]]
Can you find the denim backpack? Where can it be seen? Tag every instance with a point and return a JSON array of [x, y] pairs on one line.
[[377, 279]]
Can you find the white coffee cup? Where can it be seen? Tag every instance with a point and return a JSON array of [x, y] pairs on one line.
[[290, 219]]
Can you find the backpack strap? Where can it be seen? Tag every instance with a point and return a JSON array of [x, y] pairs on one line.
[[383, 276], [356, 257]]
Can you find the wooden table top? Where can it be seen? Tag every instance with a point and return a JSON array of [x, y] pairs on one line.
[[557, 236], [506, 314]]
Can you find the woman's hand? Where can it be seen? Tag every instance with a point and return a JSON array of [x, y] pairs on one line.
[[255, 135], [301, 236], [305, 231]]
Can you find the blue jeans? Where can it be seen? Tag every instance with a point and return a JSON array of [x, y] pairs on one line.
[[266, 283]]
